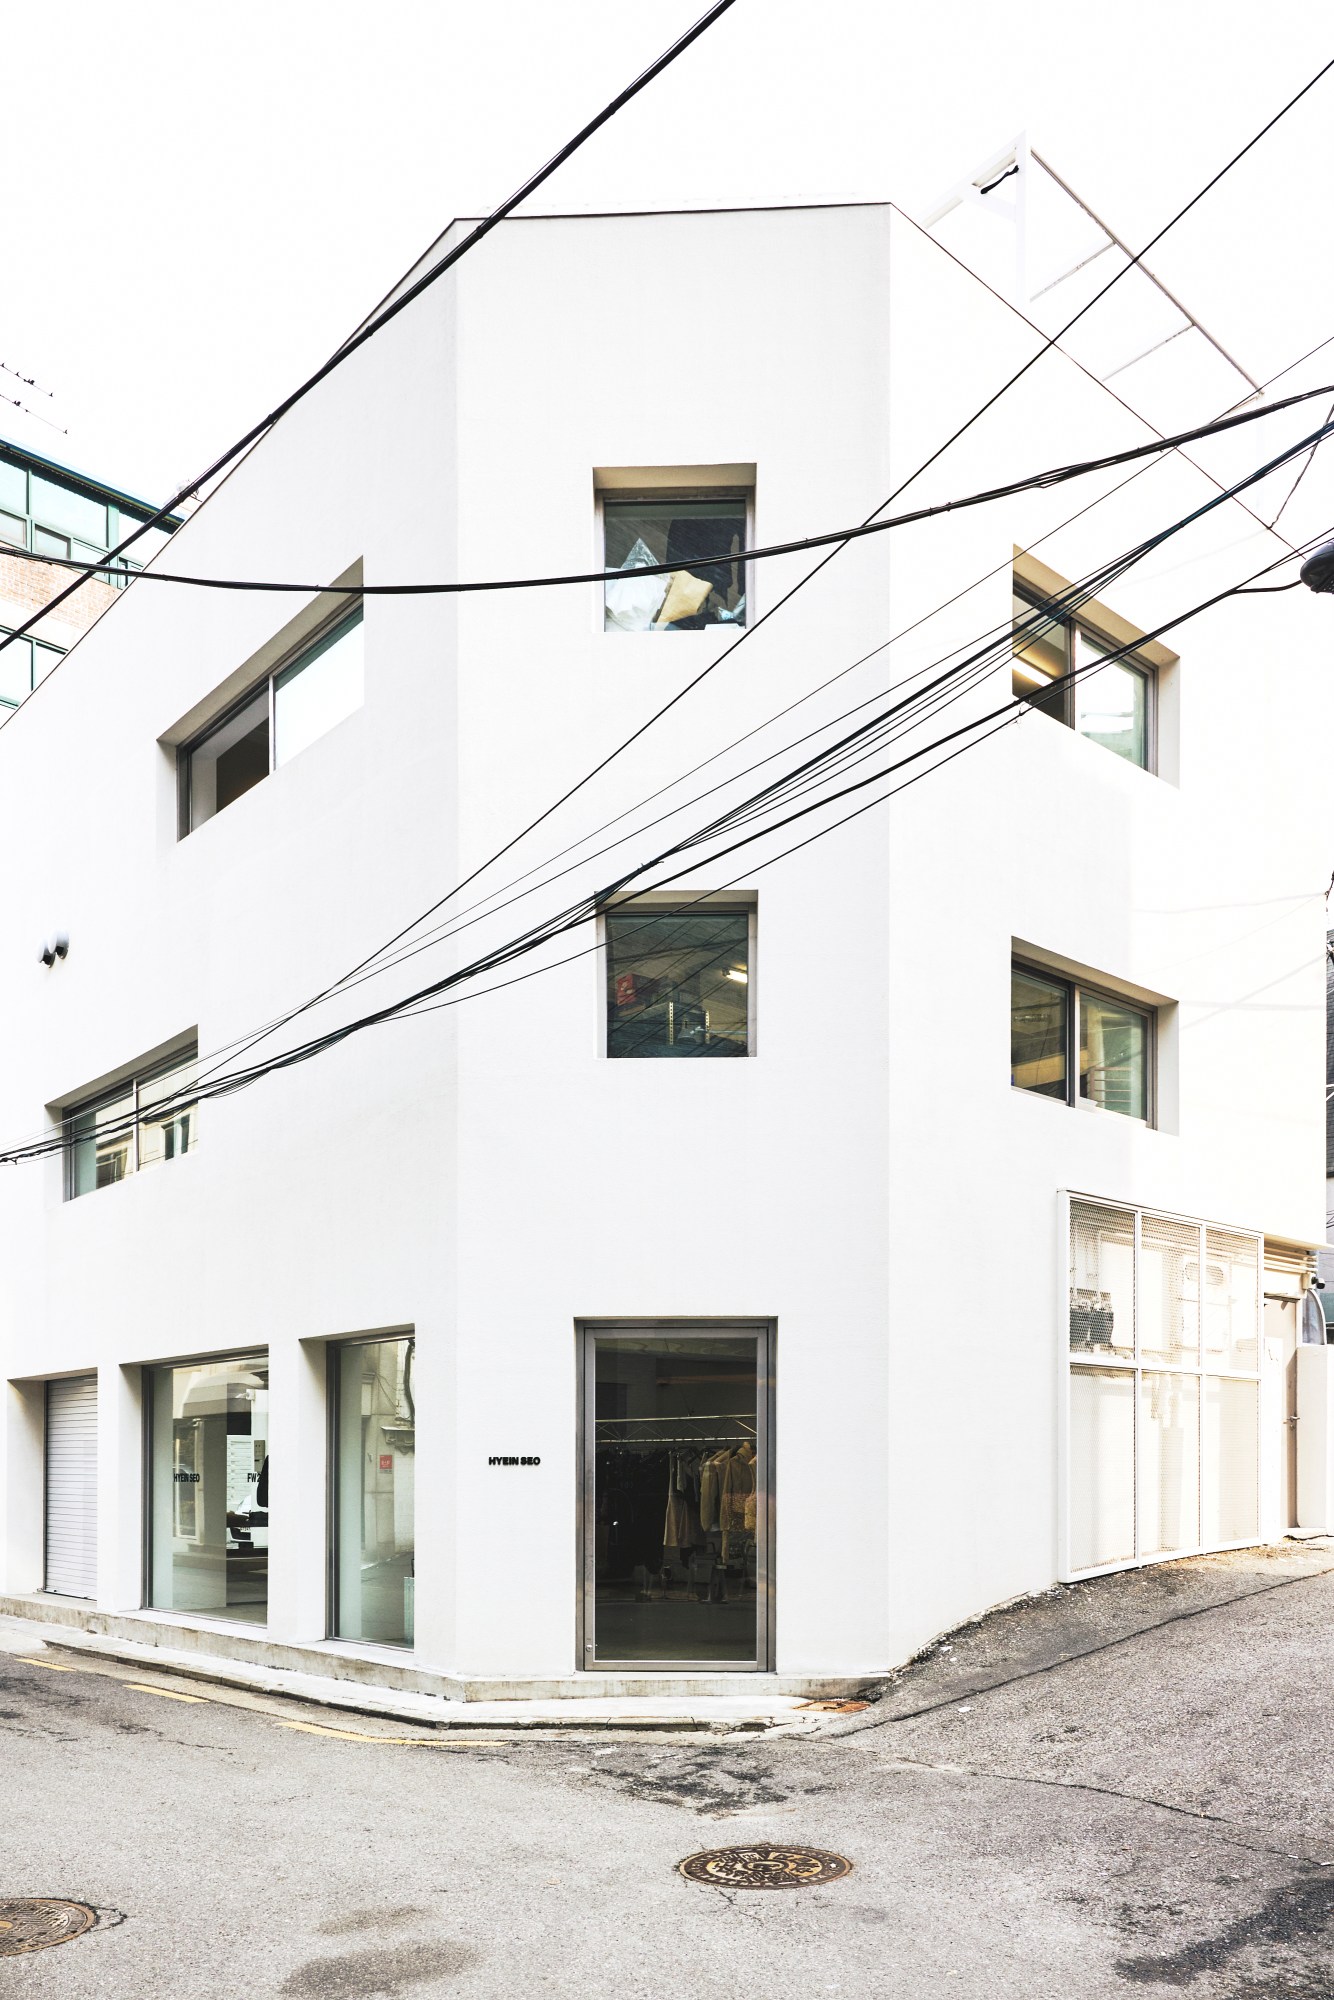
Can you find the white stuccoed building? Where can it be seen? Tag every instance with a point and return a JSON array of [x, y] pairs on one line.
[[487, 1349]]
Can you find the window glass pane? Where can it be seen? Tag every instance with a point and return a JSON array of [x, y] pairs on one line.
[[319, 690], [101, 1144], [1169, 1463], [1038, 1013], [1231, 1460], [1169, 1292], [16, 670], [1231, 1300], [73, 513], [13, 487], [209, 1478], [677, 1514], [1111, 705], [1102, 1281], [681, 532], [47, 544], [1041, 653], [1102, 1467], [44, 658], [230, 759], [14, 528], [677, 982], [168, 1120], [1113, 1056], [377, 1442]]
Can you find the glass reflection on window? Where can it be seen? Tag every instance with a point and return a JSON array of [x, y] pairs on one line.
[[683, 532], [677, 982], [1038, 1009], [209, 1487], [1113, 1056], [377, 1445]]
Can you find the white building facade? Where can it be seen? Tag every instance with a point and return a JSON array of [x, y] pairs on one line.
[[487, 1347]]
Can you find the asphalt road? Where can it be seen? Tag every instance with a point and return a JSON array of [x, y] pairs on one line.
[[1125, 1788]]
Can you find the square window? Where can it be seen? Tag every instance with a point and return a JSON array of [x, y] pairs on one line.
[[678, 981], [684, 529], [1114, 1043], [46, 544]]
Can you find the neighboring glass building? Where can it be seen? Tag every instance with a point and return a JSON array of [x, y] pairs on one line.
[[48, 509]]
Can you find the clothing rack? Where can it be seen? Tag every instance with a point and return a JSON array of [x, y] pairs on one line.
[[743, 1433]]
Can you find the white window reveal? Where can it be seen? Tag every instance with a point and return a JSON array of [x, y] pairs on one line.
[[1164, 1392], [301, 700]]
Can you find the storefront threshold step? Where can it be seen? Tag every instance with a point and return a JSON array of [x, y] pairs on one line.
[[366, 1682]]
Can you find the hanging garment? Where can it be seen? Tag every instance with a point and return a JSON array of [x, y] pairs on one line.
[[738, 1488], [710, 1489], [681, 1527]]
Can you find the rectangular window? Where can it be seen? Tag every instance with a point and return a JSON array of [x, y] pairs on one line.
[[208, 1480], [684, 529], [1111, 705], [676, 1497], [143, 1122], [375, 1430], [1163, 1425], [301, 700], [678, 981], [1050, 1018]]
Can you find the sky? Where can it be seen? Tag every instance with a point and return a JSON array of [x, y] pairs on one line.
[[213, 197]]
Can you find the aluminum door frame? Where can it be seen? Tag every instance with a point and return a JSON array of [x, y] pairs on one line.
[[764, 1332]]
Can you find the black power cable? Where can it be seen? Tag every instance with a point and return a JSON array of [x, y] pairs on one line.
[[397, 305], [788, 595], [1055, 476], [587, 907]]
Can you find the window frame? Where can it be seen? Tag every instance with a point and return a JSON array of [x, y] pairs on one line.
[[1077, 624], [1075, 991], [334, 1348], [131, 1085], [648, 494], [725, 904], [303, 653], [120, 520]]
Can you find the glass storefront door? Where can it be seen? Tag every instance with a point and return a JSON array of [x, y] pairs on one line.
[[209, 1486], [375, 1440], [676, 1497]]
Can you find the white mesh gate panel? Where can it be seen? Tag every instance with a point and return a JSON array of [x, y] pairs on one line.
[[1164, 1393], [71, 1486]]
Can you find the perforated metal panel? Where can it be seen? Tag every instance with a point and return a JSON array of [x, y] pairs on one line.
[[1169, 1292], [71, 1486]]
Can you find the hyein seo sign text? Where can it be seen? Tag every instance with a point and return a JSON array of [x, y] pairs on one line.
[[513, 1461]]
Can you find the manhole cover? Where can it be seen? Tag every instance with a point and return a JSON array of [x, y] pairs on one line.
[[765, 1867], [836, 1707], [31, 1923]]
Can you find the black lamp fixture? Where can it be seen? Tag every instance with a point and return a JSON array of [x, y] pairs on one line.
[[1317, 572]]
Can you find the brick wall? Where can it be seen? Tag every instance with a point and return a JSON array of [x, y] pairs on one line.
[[26, 586]]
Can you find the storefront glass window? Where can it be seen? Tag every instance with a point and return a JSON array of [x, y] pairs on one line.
[[676, 1515], [376, 1451], [209, 1482]]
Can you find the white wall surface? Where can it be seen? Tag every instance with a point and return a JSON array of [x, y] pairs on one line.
[[869, 1180]]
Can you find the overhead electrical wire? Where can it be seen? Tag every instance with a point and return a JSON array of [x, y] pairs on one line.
[[1053, 476], [589, 906], [1048, 343], [398, 304], [413, 1004], [453, 256]]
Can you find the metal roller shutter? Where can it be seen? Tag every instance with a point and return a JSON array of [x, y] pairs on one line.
[[71, 1486]]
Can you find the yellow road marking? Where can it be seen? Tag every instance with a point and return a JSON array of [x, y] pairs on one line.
[[167, 1694], [50, 1666], [361, 1736]]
